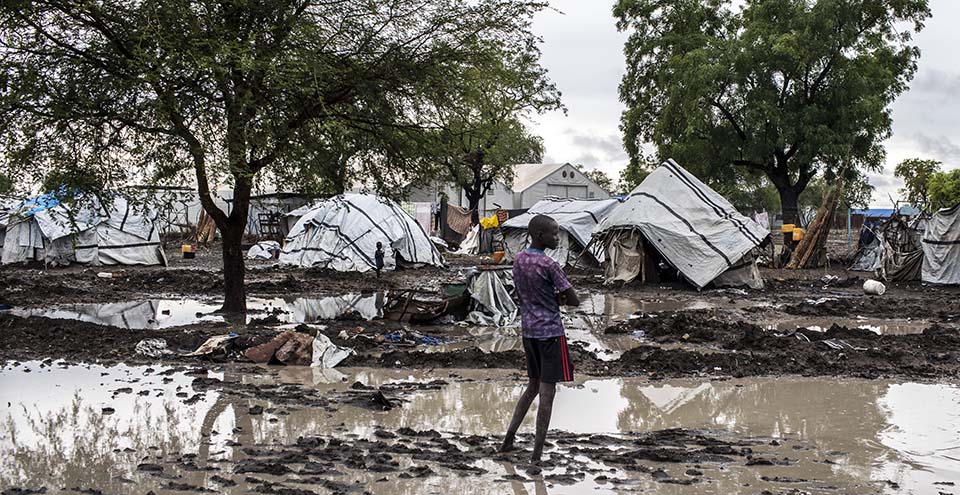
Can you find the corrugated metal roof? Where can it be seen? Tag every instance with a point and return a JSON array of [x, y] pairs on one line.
[[528, 174]]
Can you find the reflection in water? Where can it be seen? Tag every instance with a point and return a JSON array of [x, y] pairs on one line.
[[167, 313], [55, 434], [878, 326]]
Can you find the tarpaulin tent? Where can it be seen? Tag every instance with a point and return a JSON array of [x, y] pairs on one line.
[[890, 247], [693, 228], [85, 231], [577, 219], [941, 247], [341, 233]]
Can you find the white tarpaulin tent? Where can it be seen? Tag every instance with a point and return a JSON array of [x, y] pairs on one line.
[[695, 229], [341, 233], [941, 247], [44, 229], [577, 219]]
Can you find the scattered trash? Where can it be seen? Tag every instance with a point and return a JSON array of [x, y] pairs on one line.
[[326, 354], [5, 307], [640, 334], [410, 338], [105, 275], [108, 410], [215, 343], [264, 250], [152, 348], [840, 345], [289, 347], [817, 302], [874, 288], [828, 280]]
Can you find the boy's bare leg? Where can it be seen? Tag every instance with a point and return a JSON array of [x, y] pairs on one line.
[[544, 411], [523, 405]]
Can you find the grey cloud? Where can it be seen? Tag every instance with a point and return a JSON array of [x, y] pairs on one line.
[[930, 80], [884, 181], [940, 147]]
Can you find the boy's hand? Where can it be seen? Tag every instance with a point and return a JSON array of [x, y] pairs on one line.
[[562, 299]]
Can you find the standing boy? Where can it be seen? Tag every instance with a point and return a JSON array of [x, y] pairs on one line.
[[378, 258], [542, 288]]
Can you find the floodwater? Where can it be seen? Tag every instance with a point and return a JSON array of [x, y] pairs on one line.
[[879, 326], [858, 436], [155, 314]]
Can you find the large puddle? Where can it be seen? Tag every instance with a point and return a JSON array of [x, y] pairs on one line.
[[852, 435], [877, 325], [155, 314]]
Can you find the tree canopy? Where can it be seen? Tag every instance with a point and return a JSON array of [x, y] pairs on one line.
[[944, 189], [916, 174], [480, 119], [784, 89], [229, 92]]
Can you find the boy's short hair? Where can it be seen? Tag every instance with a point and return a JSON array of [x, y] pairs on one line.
[[539, 223]]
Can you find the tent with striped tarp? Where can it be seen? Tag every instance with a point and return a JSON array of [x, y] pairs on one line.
[[673, 217], [341, 233]]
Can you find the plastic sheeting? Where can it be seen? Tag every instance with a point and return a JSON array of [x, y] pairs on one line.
[[341, 233], [53, 232], [695, 229], [263, 250], [491, 289], [941, 247], [577, 219]]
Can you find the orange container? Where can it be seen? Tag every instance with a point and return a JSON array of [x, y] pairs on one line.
[[498, 256]]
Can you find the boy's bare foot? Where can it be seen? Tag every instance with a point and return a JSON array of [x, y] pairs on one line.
[[507, 446]]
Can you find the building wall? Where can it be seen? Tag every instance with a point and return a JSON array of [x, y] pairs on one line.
[[566, 182], [499, 194]]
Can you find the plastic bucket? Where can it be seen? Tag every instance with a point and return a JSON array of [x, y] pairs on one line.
[[874, 288]]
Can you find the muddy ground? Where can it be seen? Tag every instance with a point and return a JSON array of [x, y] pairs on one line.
[[726, 332], [803, 323]]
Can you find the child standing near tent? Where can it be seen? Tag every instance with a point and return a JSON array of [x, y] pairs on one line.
[[542, 287], [378, 258]]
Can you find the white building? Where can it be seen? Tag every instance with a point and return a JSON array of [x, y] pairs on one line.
[[531, 183]]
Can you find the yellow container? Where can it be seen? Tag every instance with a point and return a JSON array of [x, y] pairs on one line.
[[498, 256], [798, 234], [186, 248], [787, 227]]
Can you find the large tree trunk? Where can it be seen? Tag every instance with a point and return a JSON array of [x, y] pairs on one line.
[[234, 291], [473, 197], [789, 204]]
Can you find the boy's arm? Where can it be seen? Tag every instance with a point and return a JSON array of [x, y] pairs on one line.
[[566, 296], [569, 297]]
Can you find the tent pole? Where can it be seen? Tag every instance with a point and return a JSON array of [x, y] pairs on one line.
[[848, 229]]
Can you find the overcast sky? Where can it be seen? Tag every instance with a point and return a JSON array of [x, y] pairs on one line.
[[584, 53]]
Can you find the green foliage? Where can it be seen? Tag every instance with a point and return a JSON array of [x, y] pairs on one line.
[[786, 89], [916, 174], [856, 191], [229, 93], [600, 177], [6, 184], [480, 118], [943, 189]]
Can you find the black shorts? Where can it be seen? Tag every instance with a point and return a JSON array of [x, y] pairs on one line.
[[548, 359]]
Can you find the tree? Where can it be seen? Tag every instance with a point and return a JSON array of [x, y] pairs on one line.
[[480, 120], [600, 177], [943, 189], [230, 91], [916, 174], [785, 89]]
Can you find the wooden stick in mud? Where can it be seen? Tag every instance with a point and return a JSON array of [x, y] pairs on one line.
[[818, 231]]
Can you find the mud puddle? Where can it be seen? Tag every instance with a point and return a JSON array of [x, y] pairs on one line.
[[154, 314], [880, 326], [128, 429]]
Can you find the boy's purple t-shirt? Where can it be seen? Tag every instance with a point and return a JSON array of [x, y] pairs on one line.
[[538, 279]]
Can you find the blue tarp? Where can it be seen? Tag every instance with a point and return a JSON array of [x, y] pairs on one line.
[[40, 203]]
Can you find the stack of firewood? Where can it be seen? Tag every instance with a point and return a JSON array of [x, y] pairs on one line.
[[206, 228], [815, 237]]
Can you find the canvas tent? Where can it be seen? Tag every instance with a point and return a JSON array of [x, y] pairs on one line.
[[674, 216], [341, 233], [577, 219], [941, 247], [890, 247], [87, 231]]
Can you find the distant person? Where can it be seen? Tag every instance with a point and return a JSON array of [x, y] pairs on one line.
[[542, 288], [378, 258]]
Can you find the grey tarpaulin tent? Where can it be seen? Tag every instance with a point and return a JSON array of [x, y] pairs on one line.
[[341, 233], [941, 247], [577, 219], [891, 248], [88, 231], [693, 228]]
